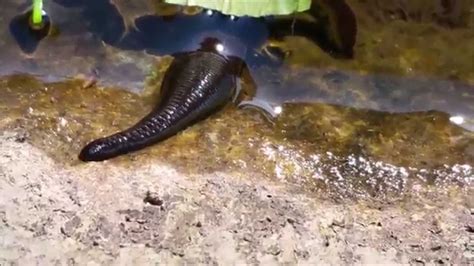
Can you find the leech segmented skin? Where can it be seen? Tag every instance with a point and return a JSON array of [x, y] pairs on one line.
[[195, 85]]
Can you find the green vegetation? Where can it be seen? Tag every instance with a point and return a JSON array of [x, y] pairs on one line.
[[253, 8], [37, 15]]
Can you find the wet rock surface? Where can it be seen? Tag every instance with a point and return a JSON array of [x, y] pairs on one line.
[[335, 151], [51, 213]]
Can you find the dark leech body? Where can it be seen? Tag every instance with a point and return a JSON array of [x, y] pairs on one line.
[[195, 85]]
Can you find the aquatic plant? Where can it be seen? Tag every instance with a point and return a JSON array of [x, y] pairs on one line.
[[254, 8], [37, 13], [30, 27]]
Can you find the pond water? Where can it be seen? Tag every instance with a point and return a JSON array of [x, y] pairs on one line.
[[395, 119]]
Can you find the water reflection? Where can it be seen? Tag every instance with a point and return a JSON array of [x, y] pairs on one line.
[[179, 32], [457, 119], [385, 93], [28, 35]]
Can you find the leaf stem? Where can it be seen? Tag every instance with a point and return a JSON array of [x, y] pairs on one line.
[[37, 16]]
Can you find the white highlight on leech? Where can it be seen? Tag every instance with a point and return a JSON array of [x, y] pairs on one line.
[[209, 12]]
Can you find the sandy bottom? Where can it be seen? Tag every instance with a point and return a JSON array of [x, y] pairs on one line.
[[100, 213]]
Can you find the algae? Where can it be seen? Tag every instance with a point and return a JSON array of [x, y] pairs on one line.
[[408, 38], [310, 145]]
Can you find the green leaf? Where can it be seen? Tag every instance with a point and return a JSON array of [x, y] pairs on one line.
[[254, 8]]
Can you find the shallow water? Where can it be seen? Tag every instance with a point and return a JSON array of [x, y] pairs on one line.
[[392, 121]]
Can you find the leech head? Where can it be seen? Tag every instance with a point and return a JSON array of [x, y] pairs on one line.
[[212, 45], [98, 150]]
